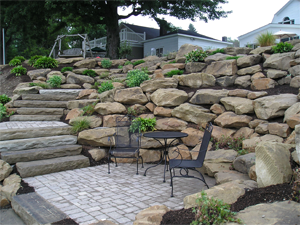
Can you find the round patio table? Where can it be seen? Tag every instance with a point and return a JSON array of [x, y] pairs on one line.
[[164, 135]]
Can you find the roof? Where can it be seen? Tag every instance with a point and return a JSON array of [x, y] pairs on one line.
[[150, 32], [187, 32], [283, 7]]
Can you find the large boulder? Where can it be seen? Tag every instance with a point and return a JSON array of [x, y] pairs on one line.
[[73, 104], [263, 84], [250, 144], [243, 81], [275, 74], [86, 63], [220, 133], [243, 163], [168, 97], [215, 57], [185, 49], [279, 61], [107, 108], [34, 74], [230, 175], [295, 82], [194, 135], [230, 119], [170, 124], [261, 50], [174, 66], [5, 170], [208, 96], [73, 78], [249, 70], [295, 70], [249, 60], [196, 80], [273, 163], [226, 81], [154, 84], [193, 67], [96, 137], [130, 96], [239, 105], [222, 68], [152, 215], [273, 106], [279, 129]]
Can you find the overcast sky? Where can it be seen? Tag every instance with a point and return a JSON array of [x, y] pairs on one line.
[[247, 15]]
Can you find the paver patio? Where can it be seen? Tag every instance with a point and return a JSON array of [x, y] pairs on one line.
[[91, 194]]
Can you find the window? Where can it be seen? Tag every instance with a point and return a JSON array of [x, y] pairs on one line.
[[287, 20], [159, 52]]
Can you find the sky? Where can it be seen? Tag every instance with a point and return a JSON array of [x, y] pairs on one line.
[[247, 15]]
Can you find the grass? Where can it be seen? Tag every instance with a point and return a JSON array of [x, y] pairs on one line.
[[80, 125], [266, 39]]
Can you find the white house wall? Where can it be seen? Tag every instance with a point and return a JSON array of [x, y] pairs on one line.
[[292, 10], [168, 44], [204, 43]]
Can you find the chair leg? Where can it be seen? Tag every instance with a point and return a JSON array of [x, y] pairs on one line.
[[116, 161], [142, 161], [171, 182], [137, 166], [203, 179], [108, 164]]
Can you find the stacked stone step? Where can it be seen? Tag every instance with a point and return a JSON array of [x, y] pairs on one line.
[[48, 105]]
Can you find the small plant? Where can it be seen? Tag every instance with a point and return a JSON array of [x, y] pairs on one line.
[[120, 67], [104, 75], [80, 125], [128, 63], [66, 69], [105, 86], [33, 59], [195, 56], [95, 85], [106, 63], [266, 39], [218, 50], [4, 99], [42, 85], [19, 70], [125, 50], [15, 62], [45, 62], [116, 80], [90, 73], [233, 57], [54, 81], [3, 112], [131, 111], [21, 58], [231, 143], [89, 109], [174, 72], [136, 77], [173, 61], [142, 124], [212, 211], [138, 62], [282, 47]]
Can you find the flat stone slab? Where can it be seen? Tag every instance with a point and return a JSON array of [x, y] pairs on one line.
[[40, 167], [60, 92], [8, 216], [35, 117], [40, 104], [40, 111], [49, 97], [30, 124], [12, 157], [41, 142], [33, 209]]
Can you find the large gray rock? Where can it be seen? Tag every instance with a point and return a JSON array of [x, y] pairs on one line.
[[193, 67], [221, 155], [73, 78], [110, 108], [154, 84], [96, 137], [196, 80], [222, 68], [226, 81], [130, 96], [274, 74], [34, 74], [243, 163], [80, 103], [20, 90], [168, 97], [185, 49], [263, 84], [249, 60], [170, 124], [5, 170], [230, 175], [239, 105], [279, 61], [279, 129], [250, 144], [243, 81], [216, 57], [230, 119], [294, 109], [295, 82], [86, 63], [273, 106], [249, 70], [208, 96], [272, 163], [69, 60], [261, 50]]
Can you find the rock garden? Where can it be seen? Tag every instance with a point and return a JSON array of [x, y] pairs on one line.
[[250, 96]]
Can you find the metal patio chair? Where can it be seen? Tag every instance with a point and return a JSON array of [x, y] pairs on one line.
[[185, 165], [125, 142]]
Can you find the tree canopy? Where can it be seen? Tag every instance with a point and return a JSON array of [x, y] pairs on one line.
[[192, 28]]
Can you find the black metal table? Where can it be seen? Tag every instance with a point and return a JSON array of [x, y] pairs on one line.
[[165, 135]]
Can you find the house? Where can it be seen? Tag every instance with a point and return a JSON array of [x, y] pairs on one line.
[[286, 19], [147, 41]]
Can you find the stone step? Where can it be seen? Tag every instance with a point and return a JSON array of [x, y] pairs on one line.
[[48, 97], [35, 118], [34, 132], [40, 104], [34, 209], [46, 166], [73, 92], [40, 111], [40, 142], [13, 157]]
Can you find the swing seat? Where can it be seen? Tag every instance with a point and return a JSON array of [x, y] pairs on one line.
[[71, 53]]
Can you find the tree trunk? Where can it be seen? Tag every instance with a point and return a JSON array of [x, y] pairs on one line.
[[113, 37]]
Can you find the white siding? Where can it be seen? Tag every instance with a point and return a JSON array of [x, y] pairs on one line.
[[204, 43], [169, 44], [292, 10]]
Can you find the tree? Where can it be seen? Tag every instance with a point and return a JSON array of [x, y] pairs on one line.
[[192, 28], [106, 12], [235, 42]]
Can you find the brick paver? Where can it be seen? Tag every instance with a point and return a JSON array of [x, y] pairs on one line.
[[90, 194]]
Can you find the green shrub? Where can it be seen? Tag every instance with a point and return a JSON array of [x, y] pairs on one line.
[[54, 81], [174, 72], [66, 69], [90, 73], [282, 47], [15, 62], [136, 77], [42, 85], [106, 63], [80, 125], [131, 111], [89, 109], [19, 70], [45, 62], [142, 124], [4, 99], [231, 143], [138, 62], [105, 86], [212, 211], [266, 39], [127, 63], [3, 112], [125, 50], [21, 58], [233, 57], [173, 61], [195, 56], [95, 85], [218, 50], [33, 59], [120, 67]]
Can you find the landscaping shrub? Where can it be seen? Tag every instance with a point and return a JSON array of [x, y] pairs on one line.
[[218, 50], [282, 47], [89, 109], [15, 62], [125, 50], [45, 62], [173, 61], [142, 124], [127, 63], [80, 125], [233, 57], [231, 143], [174, 72], [195, 56], [42, 85], [266, 39], [90, 73], [21, 58], [66, 69], [136, 77], [4, 99], [138, 62], [105, 86], [19, 70], [106, 63], [54, 81], [95, 85], [120, 67], [33, 59], [131, 111], [3, 112]]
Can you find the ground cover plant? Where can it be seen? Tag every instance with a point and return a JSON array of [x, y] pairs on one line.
[[42, 85], [54, 81], [45, 62], [19, 70], [3, 112], [21, 58], [136, 77], [282, 47], [4, 99], [218, 50], [105, 86], [80, 125], [266, 39], [106, 63], [90, 73], [142, 124], [233, 57], [15, 62], [174, 72], [66, 69], [88, 110], [138, 62], [196, 56], [33, 59]]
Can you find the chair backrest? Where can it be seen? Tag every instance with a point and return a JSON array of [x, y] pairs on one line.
[[125, 138], [205, 142]]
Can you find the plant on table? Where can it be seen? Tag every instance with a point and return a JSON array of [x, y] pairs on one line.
[[55, 81], [174, 72], [66, 69], [80, 125], [212, 211], [106, 63], [4, 99], [196, 56], [19, 70], [105, 86], [282, 47], [136, 77], [45, 62], [142, 124], [90, 73]]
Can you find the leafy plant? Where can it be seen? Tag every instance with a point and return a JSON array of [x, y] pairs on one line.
[[136, 77], [266, 39], [66, 69], [282, 47], [3, 112], [174, 72], [45, 62], [80, 125], [138, 62], [19, 70], [104, 75], [106, 63], [127, 63], [89, 109], [42, 85], [212, 211], [54, 81], [120, 67], [231, 143], [33, 59], [90, 73], [131, 111], [218, 50], [15, 62], [125, 50], [21, 58], [4, 99], [195, 56], [233, 57], [142, 124], [173, 61], [95, 85], [105, 86]]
